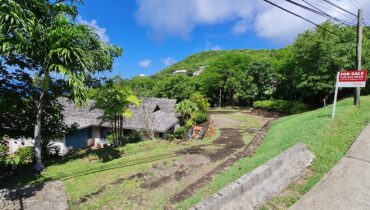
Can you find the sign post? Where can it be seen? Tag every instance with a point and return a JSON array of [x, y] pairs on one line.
[[351, 79], [335, 97]]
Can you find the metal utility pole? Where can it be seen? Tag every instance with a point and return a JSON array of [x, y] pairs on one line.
[[358, 53]]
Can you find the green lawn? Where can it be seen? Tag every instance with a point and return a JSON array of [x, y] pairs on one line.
[[113, 177], [328, 139]]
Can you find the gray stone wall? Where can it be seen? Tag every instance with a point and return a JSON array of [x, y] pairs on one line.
[[254, 189]]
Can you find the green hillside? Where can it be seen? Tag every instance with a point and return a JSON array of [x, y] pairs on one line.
[[328, 139], [194, 61], [304, 71]]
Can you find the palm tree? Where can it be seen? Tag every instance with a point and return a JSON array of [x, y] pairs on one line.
[[115, 101], [186, 108], [40, 37]]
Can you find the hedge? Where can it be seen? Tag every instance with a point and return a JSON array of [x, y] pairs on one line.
[[283, 106]]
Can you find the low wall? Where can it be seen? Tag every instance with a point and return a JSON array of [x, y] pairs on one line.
[[256, 188]]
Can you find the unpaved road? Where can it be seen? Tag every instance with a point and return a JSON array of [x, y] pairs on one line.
[[163, 183]]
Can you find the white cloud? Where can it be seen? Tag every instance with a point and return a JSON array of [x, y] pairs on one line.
[[99, 30], [216, 48], [145, 63], [210, 46], [179, 17], [169, 61]]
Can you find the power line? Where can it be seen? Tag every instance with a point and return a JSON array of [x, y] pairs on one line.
[[357, 5], [341, 8], [320, 12], [360, 6], [286, 10], [329, 7], [326, 7]]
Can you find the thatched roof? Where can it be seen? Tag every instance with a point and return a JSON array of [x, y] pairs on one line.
[[157, 114]]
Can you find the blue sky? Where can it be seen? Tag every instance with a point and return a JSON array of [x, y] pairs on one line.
[[156, 33]]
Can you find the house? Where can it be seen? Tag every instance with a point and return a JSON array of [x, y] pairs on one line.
[[155, 115], [199, 71], [180, 72]]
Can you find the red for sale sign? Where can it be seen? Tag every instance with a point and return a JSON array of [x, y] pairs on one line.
[[352, 78]]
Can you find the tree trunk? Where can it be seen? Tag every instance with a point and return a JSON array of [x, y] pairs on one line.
[[231, 98], [37, 135]]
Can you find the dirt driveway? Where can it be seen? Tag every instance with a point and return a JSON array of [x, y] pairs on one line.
[[164, 183]]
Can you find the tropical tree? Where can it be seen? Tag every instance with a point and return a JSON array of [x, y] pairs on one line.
[[186, 108], [16, 93], [201, 101], [228, 74], [179, 87], [39, 36], [314, 59], [142, 86], [115, 101]]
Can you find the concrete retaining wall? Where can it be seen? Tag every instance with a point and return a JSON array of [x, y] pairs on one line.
[[256, 188]]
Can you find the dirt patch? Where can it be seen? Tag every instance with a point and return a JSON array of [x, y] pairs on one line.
[[220, 121], [223, 112], [248, 151], [251, 130], [229, 142], [180, 174], [164, 173], [155, 182], [192, 160]]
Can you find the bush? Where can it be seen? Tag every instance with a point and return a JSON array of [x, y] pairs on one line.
[[288, 107], [170, 137], [189, 123], [201, 101], [135, 136], [25, 154], [7, 163], [200, 117], [180, 132]]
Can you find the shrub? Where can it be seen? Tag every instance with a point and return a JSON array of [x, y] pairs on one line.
[[110, 139], [201, 101], [189, 123], [135, 136], [200, 117], [288, 107], [7, 163], [24, 154], [170, 137], [180, 132]]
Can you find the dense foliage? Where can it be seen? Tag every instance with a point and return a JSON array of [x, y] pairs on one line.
[[200, 117], [40, 38], [180, 132], [186, 108], [303, 71], [201, 101], [288, 107], [114, 100]]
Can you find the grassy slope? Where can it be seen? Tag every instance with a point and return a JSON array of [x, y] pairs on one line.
[[193, 62], [328, 139]]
